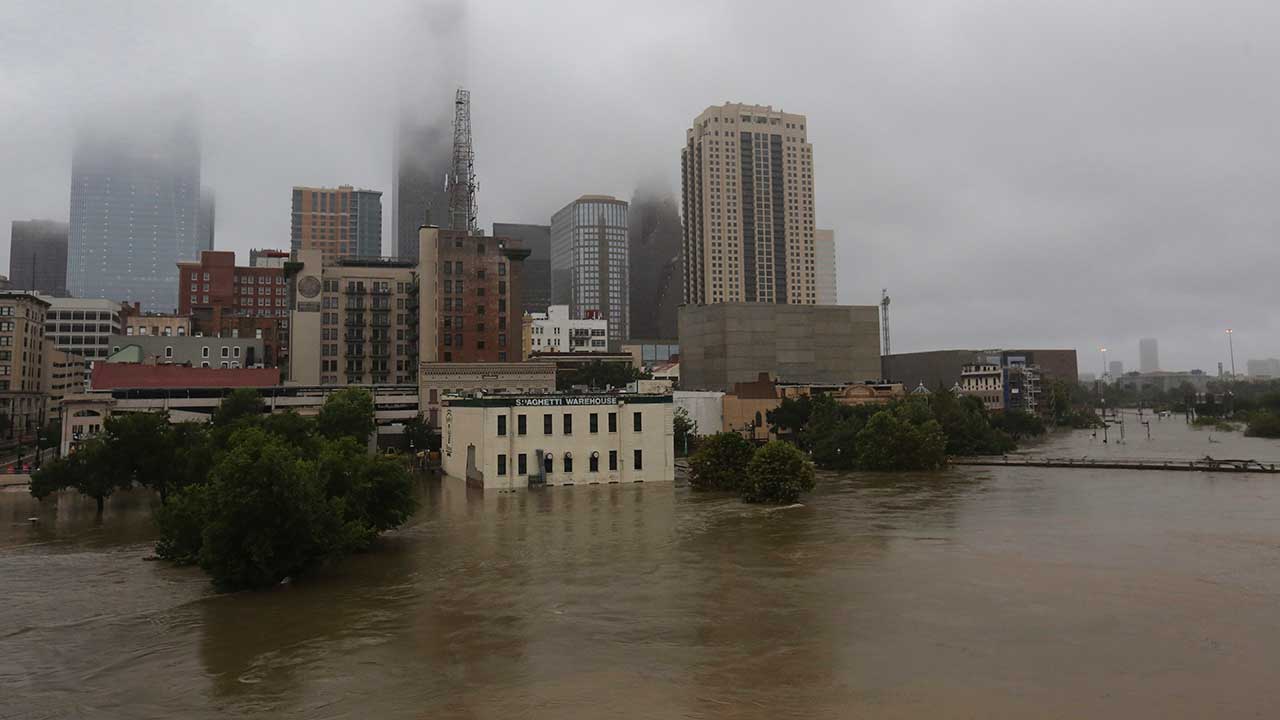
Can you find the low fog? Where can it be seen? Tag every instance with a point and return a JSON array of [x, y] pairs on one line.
[[1023, 174]]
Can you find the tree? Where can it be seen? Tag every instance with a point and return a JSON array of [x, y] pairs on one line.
[[241, 403], [1263, 424], [720, 462], [1018, 424], [88, 470], [792, 414], [778, 473], [684, 428], [891, 441], [51, 435], [375, 492], [599, 375], [141, 448], [347, 413], [420, 435]]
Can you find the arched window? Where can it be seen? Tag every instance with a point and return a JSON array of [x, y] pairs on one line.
[[568, 462], [546, 463], [594, 462]]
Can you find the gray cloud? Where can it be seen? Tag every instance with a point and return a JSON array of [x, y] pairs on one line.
[[1017, 173]]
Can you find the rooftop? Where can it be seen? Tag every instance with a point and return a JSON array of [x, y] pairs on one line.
[[108, 376]]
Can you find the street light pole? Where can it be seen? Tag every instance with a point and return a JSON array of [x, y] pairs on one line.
[[1232, 346]]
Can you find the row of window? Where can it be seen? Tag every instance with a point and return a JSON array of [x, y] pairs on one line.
[[548, 423], [566, 462]]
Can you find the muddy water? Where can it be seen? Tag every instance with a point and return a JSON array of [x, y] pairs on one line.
[[1002, 592]]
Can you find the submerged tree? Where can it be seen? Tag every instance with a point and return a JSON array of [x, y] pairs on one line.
[[778, 473]]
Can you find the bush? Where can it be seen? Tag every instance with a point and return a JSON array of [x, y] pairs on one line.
[[720, 462], [1018, 424], [777, 473], [891, 441], [1264, 425]]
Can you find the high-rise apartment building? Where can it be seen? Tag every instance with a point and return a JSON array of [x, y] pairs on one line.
[[748, 207], [135, 202], [590, 264], [824, 266], [423, 156], [536, 297], [472, 286], [1148, 355], [339, 222], [228, 300], [22, 347], [38, 256]]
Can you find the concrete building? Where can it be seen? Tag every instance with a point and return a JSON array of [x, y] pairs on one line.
[[472, 286], [943, 368], [725, 343], [339, 222], [748, 207], [203, 351], [135, 201], [155, 324], [590, 264], [1148, 355], [555, 331], [1115, 368], [704, 407], [650, 353], [64, 374], [227, 300], [83, 326], [38, 256], [537, 267], [824, 267], [657, 284], [436, 379], [22, 364], [268, 258], [354, 321], [514, 441]]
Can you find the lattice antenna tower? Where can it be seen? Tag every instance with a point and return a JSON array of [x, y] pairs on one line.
[[884, 321], [462, 175]]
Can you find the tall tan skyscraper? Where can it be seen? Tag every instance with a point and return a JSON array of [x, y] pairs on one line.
[[748, 207]]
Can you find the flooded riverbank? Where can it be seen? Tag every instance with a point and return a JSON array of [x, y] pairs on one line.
[[977, 592]]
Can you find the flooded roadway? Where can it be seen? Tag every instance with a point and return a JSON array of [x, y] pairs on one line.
[[978, 592]]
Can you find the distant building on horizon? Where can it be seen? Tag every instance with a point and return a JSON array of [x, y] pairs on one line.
[[1115, 368], [135, 205], [1148, 355], [824, 269], [1264, 369], [38, 256], [589, 262], [537, 268], [341, 222], [748, 207]]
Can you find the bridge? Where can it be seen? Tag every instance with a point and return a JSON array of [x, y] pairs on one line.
[[1204, 464]]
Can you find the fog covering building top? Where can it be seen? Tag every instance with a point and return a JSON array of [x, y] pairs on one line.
[[590, 265], [38, 256], [135, 204]]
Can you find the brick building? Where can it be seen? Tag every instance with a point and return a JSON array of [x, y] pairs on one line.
[[339, 222], [473, 286], [225, 299]]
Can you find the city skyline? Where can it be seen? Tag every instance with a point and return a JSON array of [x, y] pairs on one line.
[[921, 186]]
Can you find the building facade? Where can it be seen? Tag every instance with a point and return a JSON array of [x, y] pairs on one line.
[[537, 267], [726, 343], [223, 299], [83, 326], [657, 290], [942, 369], [134, 214], [436, 380], [590, 264], [268, 257], [38, 256], [515, 441], [339, 222], [355, 320], [748, 207], [64, 374], [555, 331], [22, 365], [1148, 355], [824, 267], [203, 351], [155, 324], [472, 286], [205, 220]]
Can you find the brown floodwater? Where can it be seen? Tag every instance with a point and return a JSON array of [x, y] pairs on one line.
[[976, 592]]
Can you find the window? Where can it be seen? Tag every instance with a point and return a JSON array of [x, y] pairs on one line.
[[546, 424], [204, 353], [594, 463], [168, 352], [502, 425], [226, 351], [568, 462], [639, 465], [568, 423], [502, 464], [522, 467], [636, 424], [593, 422], [235, 352], [613, 460], [520, 425], [613, 422], [546, 463]]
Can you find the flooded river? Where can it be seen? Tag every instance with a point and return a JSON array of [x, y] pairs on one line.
[[978, 592]]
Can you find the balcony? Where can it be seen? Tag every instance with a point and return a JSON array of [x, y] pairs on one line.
[[354, 290], [354, 320], [380, 291], [381, 322]]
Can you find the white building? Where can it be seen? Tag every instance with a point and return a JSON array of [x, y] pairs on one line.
[[555, 331], [515, 441], [82, 326], [704, 407], [984, 381], [824, 266]]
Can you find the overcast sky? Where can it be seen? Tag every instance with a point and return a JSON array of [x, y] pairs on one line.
[[1023, 173]]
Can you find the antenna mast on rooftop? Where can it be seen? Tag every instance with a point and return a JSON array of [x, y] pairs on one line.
[[462, 175], [884, 321]]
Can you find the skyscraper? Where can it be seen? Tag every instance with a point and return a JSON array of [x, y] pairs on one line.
[[589, 262], [1115, 369], [339, 222], [135, 200], [536, 283], [38, 256], [824, 269], [656, 281], [748, 207], [1148, 355], [423, 156], [204, 226]]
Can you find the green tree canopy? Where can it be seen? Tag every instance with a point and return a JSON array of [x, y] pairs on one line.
[[894, 440], [720, 462], [347, 413], [778, 473], [89, 471], [241, 403]]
